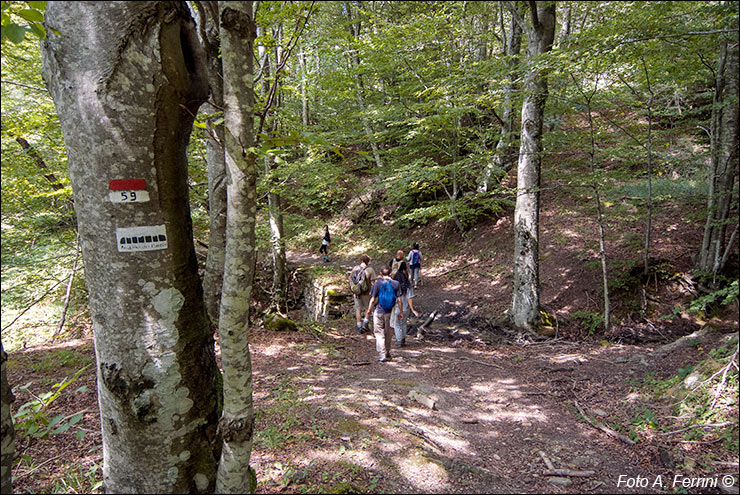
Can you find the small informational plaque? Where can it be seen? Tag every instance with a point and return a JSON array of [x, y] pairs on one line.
[[128, 191], [147, 238]]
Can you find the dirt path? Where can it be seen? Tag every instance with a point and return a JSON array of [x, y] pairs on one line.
[[495, 409]]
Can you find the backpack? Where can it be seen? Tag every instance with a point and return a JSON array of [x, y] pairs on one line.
[[395, 264], [387, 296], [403, 281], [358, 282], [415, 257]]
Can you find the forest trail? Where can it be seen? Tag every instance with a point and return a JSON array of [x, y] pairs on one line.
[[497, 411]]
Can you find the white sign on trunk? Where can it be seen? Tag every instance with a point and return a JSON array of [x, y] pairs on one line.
[[128, 196], [148, 238]]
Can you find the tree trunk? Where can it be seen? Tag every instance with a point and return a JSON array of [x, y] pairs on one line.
[[503, 156], [214, 273], [8, 433], [238, 32], [277, 238], [304, 95], [723, 165], [525, 305], [126, 79]]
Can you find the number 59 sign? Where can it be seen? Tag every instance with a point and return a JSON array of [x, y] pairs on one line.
[[128, 191]]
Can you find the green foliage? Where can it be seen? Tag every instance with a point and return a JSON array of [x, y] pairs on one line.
[[76, 479], [709, 302], [16, 21], [590, 321], [713, 399], [31, 420], [63, 358]]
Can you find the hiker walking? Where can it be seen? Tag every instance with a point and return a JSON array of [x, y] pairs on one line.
[[414, 259], [387, 293], [360, 281], [400, 325], [395, 263], [325, 244]]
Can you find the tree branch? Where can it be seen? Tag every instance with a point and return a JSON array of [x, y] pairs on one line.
[[25, 86]]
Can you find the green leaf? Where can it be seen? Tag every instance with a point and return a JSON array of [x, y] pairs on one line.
[[38, 5], [81, 389], [31, 15], [56, 420], [38, 30], [15, 33], [80, 435], [199, 124], [61, 429], [75, 419]]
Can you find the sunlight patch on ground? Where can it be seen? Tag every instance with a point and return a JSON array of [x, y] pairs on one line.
[[498, 415], [424, 473], [565, 358], [274, 349]]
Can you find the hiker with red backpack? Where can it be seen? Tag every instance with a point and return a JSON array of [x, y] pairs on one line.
[[387, 293], [414, 259], [360, 281]]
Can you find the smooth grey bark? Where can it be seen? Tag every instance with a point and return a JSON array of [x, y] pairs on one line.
[[126, 79], [503, 158], [237, 420], [304, 95], [214, 272], [7, 432], [525, 305], [274, 201], [723, 167]]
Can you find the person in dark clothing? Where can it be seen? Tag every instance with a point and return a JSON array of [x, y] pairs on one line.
[[325, 244]]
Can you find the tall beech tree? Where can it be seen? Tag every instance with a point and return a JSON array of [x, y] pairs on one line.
[[238, 31], [213, 278], [525, 304], [126, 79], [723, 166]]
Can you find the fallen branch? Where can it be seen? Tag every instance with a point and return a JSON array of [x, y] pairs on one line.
[[420, 434], [429, 320], [603, 428], [423, 328], [547, 461], [708, 425], [455, 269], [553, 471], [721, 388]]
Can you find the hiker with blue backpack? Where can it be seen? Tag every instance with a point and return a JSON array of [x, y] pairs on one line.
[[387, 293], [414, 259]]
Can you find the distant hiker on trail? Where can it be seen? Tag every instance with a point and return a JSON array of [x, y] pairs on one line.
[[400, 325], [325, 244], [395, 263], [414, 259], [360, 281], [387, 292]]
